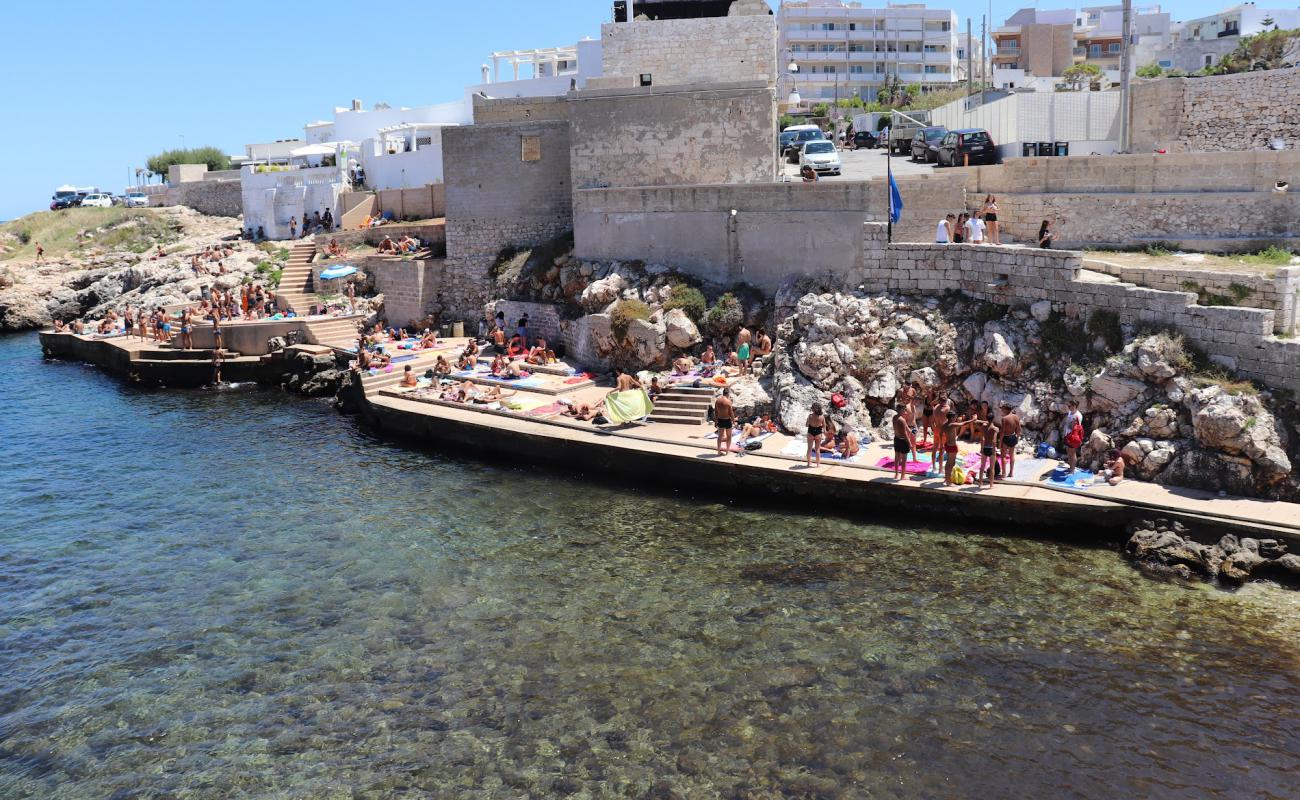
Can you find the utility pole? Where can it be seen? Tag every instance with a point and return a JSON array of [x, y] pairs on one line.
[[1125, 98], [984, 47], [970, 52]]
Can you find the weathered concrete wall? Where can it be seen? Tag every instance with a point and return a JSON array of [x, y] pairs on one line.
[[1239, 337], [674, 52], [659, 137], [1276, 292], [777, 230], [1224, 112], [507, 186], [434, 233], [410, 288], [421, 202], [1206, 201]]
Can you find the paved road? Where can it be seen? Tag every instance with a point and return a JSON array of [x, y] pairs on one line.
[[861, 165]]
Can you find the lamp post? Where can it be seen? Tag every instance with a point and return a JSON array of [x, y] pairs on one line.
[[794, 99]]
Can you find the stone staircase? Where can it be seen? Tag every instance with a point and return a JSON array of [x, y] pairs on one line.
[[683, 405], [295, 280], [340, 333]]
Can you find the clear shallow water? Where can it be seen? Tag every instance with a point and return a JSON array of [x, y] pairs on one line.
[[238, 594]]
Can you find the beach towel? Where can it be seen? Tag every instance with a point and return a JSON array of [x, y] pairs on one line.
[[739, 445], [799, 447], [628, 406], [913, 467], [1079, 480]]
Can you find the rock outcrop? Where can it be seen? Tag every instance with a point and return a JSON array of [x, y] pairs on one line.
[[1165, 549]]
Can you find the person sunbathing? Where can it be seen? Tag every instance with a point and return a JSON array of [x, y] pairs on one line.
[[335, 249], [441, 368], [683, 365], [466, 362], [513, 369], [758, 426], [516, 347], [498, 365], [408, 378], [708, 357], [493, 394], [59, 327], [733, 360], [846, 442], [540, 354], [585, 411], [388, 246], [105, 325], [429, 339], [407, 245], [78, 327], [654, 389]]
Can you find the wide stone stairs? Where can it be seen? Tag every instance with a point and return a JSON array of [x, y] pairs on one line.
[[683, 405], [295, 278]]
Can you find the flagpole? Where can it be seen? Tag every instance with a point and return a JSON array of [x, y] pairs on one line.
[[889, 181]]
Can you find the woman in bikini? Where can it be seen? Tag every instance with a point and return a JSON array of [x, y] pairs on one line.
[[990, 213], [816, 424]]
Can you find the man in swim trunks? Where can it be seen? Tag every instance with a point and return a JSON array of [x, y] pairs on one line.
[[951, 430], [724, 418], [904, 442], [986, 431], [1010, 430], [627, 383]]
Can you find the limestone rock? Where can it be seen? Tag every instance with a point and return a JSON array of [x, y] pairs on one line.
[[883, 387], [600, 293], [999, 356], [682, 333], [1240, 425], [1041, 311]]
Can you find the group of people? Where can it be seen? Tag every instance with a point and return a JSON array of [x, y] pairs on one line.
[[316, 223], [403, 246], [983, 227]]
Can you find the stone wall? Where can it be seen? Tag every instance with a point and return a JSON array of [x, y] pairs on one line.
[[543, 318], [1224, 112], [682, 51], [421, 202], [754, 233], [507, 186], [657, 136], [1276, 292], [1208, 201], [410, 288], [1240, 338], [519, 109], [214, 198], [434, 233]]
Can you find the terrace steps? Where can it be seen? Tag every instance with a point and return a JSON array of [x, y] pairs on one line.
[[683, 405]]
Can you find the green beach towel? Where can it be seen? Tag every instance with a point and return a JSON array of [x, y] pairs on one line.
[[628, 406]]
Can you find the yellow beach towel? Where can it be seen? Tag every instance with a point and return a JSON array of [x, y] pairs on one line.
[[628, 406]]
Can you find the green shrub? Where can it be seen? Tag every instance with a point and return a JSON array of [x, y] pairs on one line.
[[726, 316], [1104, 324], [1150, 71], [282, 254], [273, 277], [1061, 336], [1159, 249], [24, 236], [688, 299], [212, 156], [624, 312], [1274, 255], [987, 312]]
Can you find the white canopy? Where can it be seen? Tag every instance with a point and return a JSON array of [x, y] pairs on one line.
[[312, 150]]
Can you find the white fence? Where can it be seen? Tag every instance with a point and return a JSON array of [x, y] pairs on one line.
[[1089, 121]]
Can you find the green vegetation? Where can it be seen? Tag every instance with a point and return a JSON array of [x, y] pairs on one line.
[[1104, 324], [988, 312], [75, 230], [689, 299], [1270, 256], [1237, 292], [624, 312], [1150, 71], [1260, 51], [725, 317], [212, 156], [1159, 249], [1080, 76], [1063, 337]]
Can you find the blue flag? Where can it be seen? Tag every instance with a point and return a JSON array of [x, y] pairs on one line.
[[895, 200]]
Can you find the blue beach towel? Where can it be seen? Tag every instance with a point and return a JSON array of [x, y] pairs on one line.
[[1077, 480]]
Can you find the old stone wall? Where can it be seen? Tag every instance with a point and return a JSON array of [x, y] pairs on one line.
[[507, 186], [777, 229], [1276, 291], [409, 287], [434, 233], [519, 109], [1224, 112], [683, 51], [543, 318], [214, 198], [1240, 338], [420, 202], [1203, 201], [656, 136]]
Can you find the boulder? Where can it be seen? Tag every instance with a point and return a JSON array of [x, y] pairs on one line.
[[600, 293], [1041, 311], [883, 387], [916, 330], [999, 356], [926, 377], [750, 397], [647, 344], [1115, 391], [682, 333], [1239, 425]]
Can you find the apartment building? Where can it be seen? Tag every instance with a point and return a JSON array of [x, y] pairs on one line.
[[1198, 43], [841, 48], [1035, 41], [1099, 32]]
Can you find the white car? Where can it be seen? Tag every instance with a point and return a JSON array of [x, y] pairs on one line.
[[137, 200], [97, 201], [821, 155]]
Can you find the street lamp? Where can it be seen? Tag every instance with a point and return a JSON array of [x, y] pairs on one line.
[[794, 99]]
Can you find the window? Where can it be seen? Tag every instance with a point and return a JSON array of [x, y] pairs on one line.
[[945, 26], [931, 69], [828, 26], [1209, 60], [857, 69], [828, 70], [1113, 48], [1094, 50], [530, 148], [1165, 63]]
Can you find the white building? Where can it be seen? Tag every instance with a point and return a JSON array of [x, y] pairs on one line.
[[973, 47], [1085, 122], [276, 152], [275, 195], [1195, 44], [843, 49]]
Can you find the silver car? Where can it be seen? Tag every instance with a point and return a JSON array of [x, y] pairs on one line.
[[821, 155]]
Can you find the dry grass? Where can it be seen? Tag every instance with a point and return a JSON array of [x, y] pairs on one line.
[[61, 232], [1265, 263]]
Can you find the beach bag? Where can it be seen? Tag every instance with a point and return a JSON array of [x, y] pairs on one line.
[[958, 476], [599, 419], [752, 446], [838, 401], [1074, 439], [1043, 450]]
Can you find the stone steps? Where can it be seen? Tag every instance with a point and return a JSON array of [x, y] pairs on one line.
[[683, 405]]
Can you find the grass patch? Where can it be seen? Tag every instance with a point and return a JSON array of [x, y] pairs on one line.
[[1159, 249], [689, 299], [726, 316], [1270, 256], [624, 312], [1063, 337], [61, 232]]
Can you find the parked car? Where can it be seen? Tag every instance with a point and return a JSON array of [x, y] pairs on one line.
[[65, 201], [865, 140], [796, 145], [925, 143], [783, 140], [821, 155], [137, 200], [967, 146], [98, 200]]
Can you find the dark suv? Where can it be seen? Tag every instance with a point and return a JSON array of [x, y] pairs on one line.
[[796, 144], [65, 201], [865, 140], [967, 146], [925, 143]]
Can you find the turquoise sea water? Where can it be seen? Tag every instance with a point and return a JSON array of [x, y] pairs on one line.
[[241, 594]]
